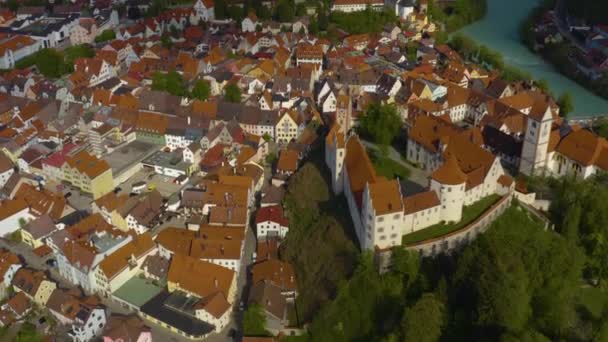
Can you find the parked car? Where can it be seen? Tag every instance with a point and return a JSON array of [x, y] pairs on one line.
[[51, 263]]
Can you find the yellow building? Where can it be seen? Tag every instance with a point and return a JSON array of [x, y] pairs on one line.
[[34, 284], [36, 231], [287, 127], [89, 174]]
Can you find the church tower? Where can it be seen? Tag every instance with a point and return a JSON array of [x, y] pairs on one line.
[[536, 141]]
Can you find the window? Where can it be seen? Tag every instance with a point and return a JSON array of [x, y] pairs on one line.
[[380, 219], [380, 230]]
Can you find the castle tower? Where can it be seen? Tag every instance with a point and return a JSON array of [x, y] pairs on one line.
[[334, 157], [344, 113], [536, 141], [448, 182]]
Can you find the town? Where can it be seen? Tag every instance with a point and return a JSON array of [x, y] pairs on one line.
[[148, 159]]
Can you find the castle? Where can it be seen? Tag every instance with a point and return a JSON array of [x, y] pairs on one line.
[[381, 213]]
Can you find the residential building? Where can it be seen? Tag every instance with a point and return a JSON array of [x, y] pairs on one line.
[[123, 264], [15, 48], [271, 222], [356, 5], [89, 174], [13, 214], [34, 284], [214, 286], [121, 328]]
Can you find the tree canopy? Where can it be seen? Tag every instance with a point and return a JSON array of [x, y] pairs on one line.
[[201, 90], [566, 104], [515, 282], [254, 321], [232, 93], [105, 36], [381, 123], [171, 82]]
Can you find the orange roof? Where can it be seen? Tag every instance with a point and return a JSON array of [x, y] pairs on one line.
[[119, 260], [199, 277], [15, 43], [277, 272], [88, 164], [386, 196], [449, 173], [358, 165], [420, 201], [288, 161], [9, 208], [585, 148]]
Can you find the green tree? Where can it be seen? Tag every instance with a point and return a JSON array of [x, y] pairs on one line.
[[566, 104], [172, 82], [78, 51], [105, 36], [51, 63], [201, 90], [301, 9], [232, 93], [381, 123], [424, 320], [313, 27], [543, 85], [285, 11], [220, 9], [254, 321]]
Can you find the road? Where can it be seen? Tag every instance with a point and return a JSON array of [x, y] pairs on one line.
[[417, 181]]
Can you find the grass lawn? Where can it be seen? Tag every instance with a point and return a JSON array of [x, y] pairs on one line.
[[593, 299], [469, 214], [387, 167]]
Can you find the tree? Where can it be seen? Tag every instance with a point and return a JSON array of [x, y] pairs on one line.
[[220, 9], [78, 51], [285, 11], [424, 320], [542, 84], [313, 27], [201, 90], [232, 93], [51, 63], [301, 9], [381, 123], [566, 104], [254, 321], [105, 36], [171, 82]]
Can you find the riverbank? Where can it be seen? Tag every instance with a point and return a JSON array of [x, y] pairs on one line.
[[500, 32], [560, 53]]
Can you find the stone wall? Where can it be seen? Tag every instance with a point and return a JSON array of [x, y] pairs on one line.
[[463, 236]]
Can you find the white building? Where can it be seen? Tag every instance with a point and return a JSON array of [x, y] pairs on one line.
[[12, 214], [271, 222], [356, 5], [15, 48], [382, 215]]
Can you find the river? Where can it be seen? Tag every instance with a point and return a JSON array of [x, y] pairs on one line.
[[499, 30]]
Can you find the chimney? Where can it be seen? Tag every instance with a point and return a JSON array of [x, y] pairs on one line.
[[215, 282], [189, 120]]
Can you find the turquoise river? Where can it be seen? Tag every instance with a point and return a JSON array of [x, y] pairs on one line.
[[499, 31]]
